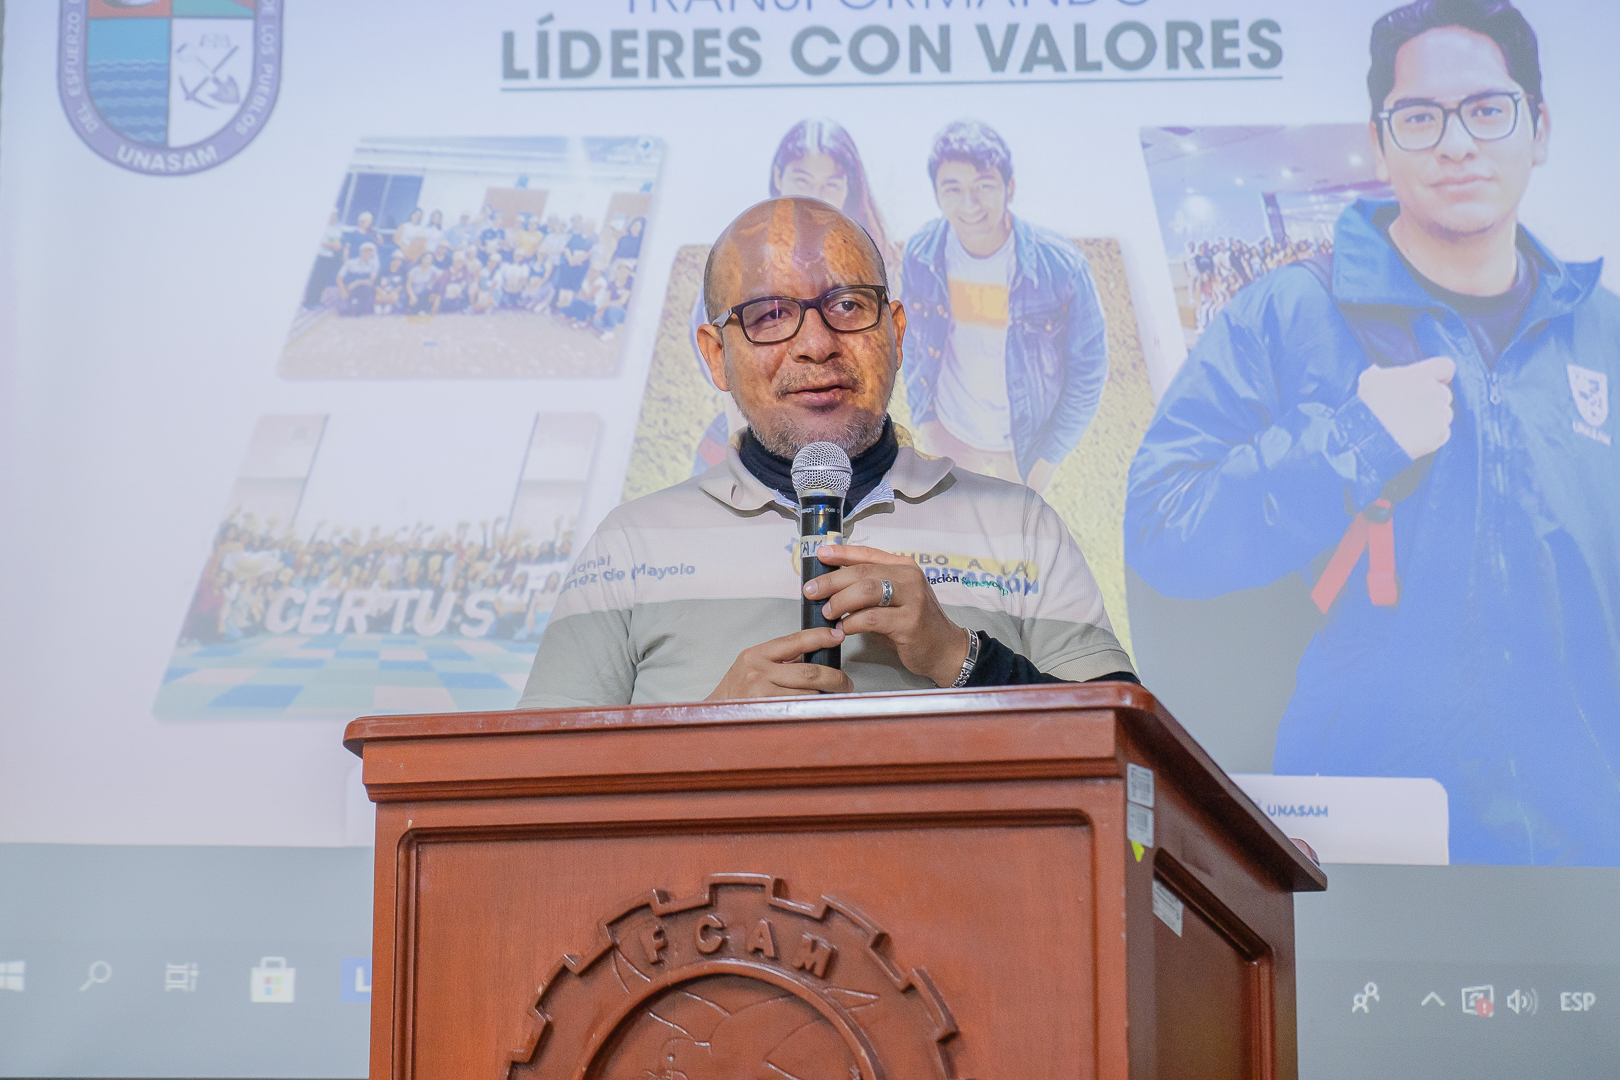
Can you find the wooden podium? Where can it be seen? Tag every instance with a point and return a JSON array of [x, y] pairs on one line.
[[1024, 883]]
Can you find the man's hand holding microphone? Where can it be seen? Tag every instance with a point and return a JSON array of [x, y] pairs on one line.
[[847, 589]]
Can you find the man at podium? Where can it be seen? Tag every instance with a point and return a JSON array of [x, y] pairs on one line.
[[947, 578]]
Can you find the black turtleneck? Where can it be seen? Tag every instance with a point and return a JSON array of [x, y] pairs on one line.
[[867, 468], [997, 665]]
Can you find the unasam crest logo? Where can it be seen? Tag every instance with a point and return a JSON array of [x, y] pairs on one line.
[[169, 87], [737, 981]]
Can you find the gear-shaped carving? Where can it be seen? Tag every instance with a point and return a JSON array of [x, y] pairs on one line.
[[736, 981]]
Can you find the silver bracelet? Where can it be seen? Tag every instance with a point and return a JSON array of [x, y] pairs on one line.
[[972, 658]]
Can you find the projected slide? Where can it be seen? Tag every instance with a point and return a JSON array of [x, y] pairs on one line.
[[466, 257], [360, 568]]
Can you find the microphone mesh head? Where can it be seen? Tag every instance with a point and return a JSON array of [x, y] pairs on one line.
[[821, 466]]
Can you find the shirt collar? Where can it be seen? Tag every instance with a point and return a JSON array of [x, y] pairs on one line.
[[913, 476], [1368, 271]]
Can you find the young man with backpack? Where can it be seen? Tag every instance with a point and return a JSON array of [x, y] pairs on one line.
[[1420, 427]]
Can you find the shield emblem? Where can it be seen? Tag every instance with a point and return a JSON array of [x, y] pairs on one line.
[[1591, 390], [169, 87]]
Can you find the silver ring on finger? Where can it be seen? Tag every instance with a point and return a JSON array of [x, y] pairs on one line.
[[888, 593]]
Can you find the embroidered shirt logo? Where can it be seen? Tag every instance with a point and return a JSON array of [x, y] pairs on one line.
[[1591, 392]]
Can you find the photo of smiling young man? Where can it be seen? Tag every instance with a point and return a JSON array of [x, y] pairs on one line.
[[1418, 425], [1011, 349]]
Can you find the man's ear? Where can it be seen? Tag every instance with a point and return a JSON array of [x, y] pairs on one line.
[[1543, 134], [1376, 143], [898, 312], [1012, 188], [714, 354]]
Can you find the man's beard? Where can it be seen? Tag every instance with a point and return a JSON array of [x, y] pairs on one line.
[[785, 438]]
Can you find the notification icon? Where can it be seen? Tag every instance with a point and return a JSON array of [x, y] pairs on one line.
[[1479, 1000]]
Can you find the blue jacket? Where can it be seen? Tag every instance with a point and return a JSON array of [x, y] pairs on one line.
[[1057, 342], [1498, 672]]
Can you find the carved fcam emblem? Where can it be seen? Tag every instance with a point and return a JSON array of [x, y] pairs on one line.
[[737, 982], [169, 87]]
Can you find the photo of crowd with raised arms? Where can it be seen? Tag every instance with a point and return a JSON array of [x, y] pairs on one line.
[[290, 624], [311, 601], [476, 580], [477, 257]]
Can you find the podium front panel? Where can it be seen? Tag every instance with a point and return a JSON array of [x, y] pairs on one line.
[[941, 897]]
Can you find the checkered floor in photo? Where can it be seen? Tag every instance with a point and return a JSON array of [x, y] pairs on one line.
[[342, 676]]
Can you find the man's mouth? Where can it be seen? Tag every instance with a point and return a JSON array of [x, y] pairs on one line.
[[822, 392], [1464, 183]]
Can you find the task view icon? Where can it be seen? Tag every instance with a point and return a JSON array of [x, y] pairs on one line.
[[181, 977]]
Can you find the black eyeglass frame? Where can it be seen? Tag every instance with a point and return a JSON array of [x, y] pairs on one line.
[[805, 306], [1446, 115]]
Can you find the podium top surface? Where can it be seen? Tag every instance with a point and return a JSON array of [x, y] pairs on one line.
[[893, 704], [1043, 730]]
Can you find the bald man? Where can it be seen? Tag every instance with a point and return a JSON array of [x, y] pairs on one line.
[[692, 593]]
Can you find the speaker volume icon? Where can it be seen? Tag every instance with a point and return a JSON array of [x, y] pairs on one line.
[[1524, 1002]]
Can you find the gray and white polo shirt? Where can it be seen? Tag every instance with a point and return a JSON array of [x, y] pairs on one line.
[[675, 584]]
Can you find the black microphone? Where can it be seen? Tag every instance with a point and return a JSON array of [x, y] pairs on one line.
[[821, 475]]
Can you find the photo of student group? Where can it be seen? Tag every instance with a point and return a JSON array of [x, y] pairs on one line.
[[1006, 346], [420, 580], [1217, 269], [481, 263]]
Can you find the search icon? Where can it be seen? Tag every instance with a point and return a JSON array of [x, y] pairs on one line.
[[100, 972]]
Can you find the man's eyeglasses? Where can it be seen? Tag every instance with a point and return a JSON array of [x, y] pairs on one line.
[[1421, 125], [770, 320]]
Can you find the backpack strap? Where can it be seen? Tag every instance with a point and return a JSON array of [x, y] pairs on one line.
[[1386, 339], [1321, 268], [1383, 331], [1385, 335]]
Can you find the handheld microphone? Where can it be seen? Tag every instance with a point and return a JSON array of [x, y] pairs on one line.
[[821, 476]]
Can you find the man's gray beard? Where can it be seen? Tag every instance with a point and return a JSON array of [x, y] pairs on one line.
[[859, 434]]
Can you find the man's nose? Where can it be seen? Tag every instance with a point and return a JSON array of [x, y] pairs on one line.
[[1455, 142], [815, 341]]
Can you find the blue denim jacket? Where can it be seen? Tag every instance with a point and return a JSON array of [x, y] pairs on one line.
[[1498, 670], [1057, 342]]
